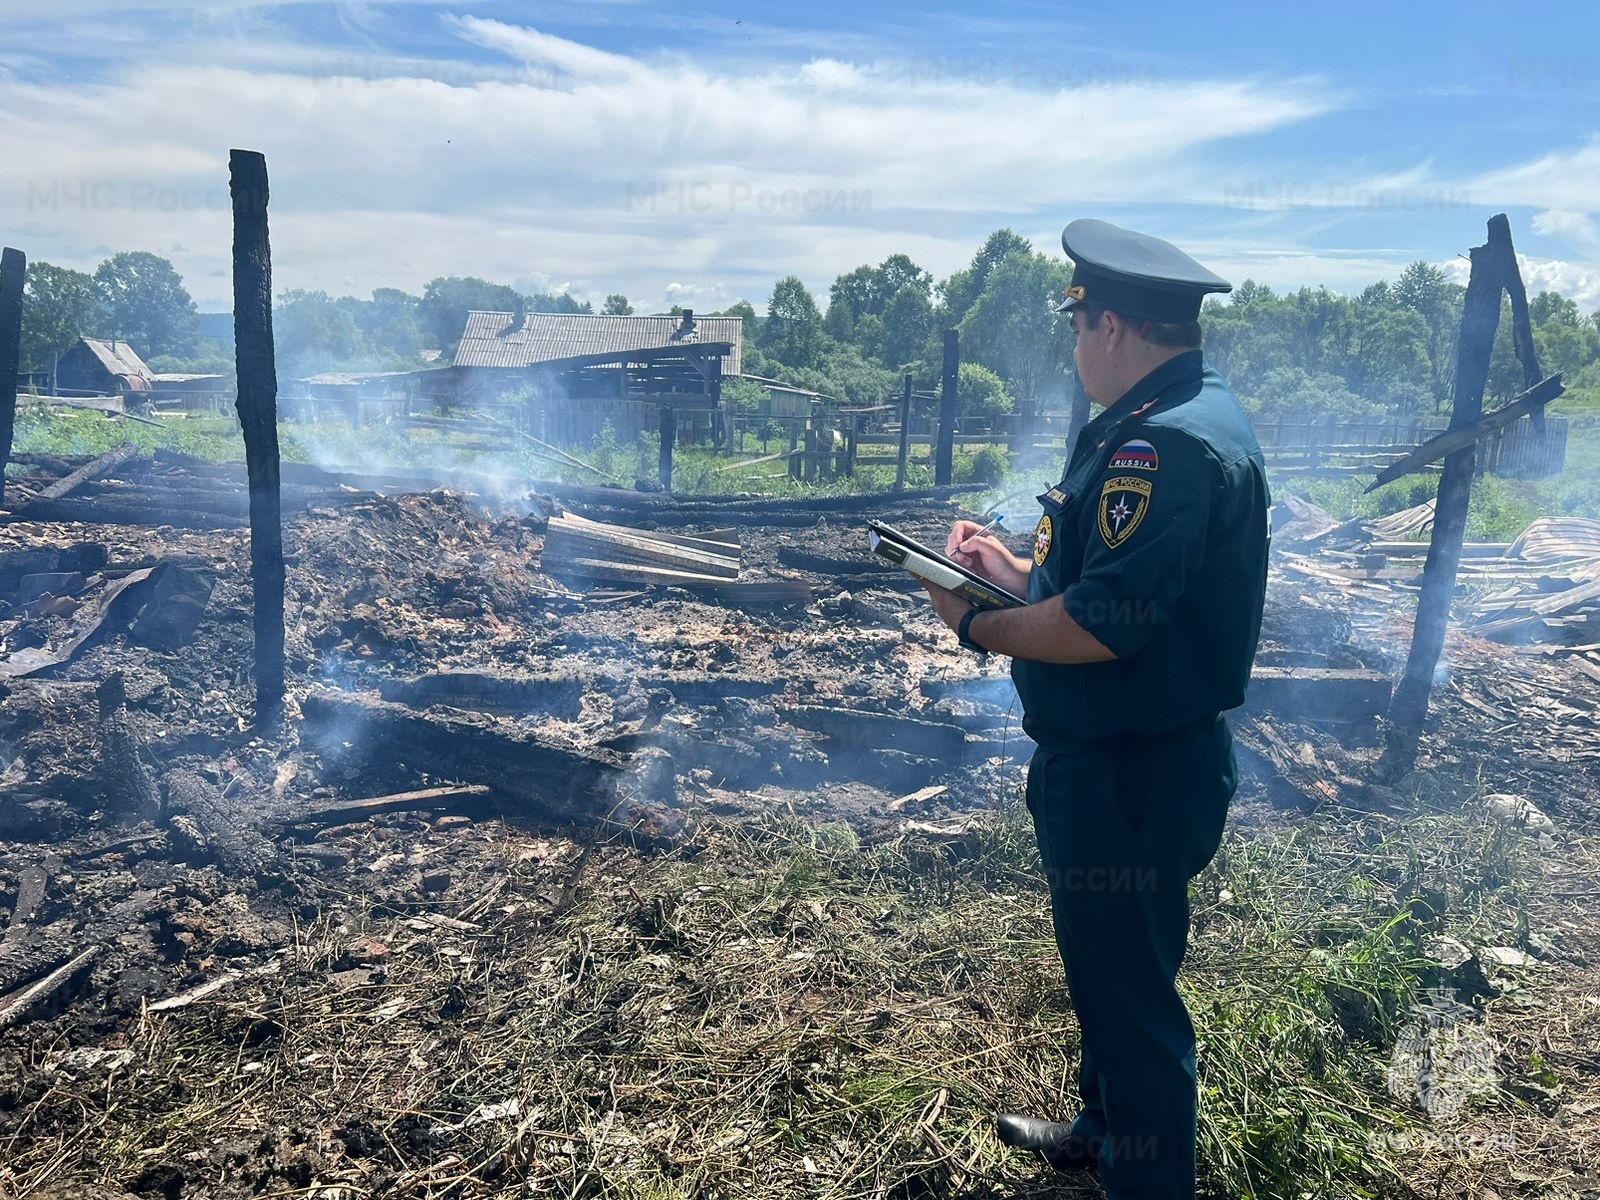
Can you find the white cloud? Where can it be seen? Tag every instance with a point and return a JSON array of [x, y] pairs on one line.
[[1577, 281], [617, 173], [1563, 180]]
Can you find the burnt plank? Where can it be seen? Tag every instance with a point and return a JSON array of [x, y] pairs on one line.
[[530, 773]]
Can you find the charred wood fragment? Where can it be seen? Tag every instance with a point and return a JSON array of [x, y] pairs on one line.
[[13, 270], [15, 1006], [467, 799], [258, 418], [532, 775], [127, 783], [207, 827]]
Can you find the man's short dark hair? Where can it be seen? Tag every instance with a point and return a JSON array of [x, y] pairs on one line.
[[1184, 334]]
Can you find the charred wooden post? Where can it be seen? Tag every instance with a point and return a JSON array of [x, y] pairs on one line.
[[719, 415], [258, 417], [13, 271], [905, 436], [129, 787], [1479, 318], [944, 453], [669, 433]]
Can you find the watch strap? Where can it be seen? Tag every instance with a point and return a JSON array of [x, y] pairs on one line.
[[964, 631]]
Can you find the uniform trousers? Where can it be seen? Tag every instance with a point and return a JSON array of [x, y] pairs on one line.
[[1123, 823]]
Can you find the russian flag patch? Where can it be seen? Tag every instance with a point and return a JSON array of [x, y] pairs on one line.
[[1136, 456]]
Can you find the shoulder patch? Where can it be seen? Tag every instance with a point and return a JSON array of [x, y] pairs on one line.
[[1043, 536], [1136, 456], [1123, 503]]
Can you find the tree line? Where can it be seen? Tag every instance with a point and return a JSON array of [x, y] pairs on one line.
[[1388, 352]]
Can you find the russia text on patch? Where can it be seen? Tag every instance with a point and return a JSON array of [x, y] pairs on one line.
[[1136, 455]]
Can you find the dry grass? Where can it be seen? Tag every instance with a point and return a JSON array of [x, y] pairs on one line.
[[789, 1013]]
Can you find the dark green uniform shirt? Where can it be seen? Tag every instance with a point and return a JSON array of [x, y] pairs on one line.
[[1156, 542]]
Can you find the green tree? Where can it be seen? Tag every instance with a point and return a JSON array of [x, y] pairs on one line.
[[1293, 394], [980, 392], [870, 337], [963, 288], [1013, 327], [907, 321], [751, 323], [447, 300], [1565, 340], [792, 332], [59, 305], [742, 395], [146, 304], [1389, 359], [896, 273], [391, 324], [314, 332], [556, 302], [617, 305], [1424, 289], [852, 296]]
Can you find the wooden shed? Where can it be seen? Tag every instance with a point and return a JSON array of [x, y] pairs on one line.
[[569, 374]]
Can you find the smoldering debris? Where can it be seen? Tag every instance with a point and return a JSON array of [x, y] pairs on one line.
[[482, 740]]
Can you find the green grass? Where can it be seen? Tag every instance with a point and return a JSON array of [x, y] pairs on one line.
[[377, 448], [1501, 508]]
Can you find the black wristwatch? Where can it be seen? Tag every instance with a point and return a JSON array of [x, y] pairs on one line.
[[963, 631]]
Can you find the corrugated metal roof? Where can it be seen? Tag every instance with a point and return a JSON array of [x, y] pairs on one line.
[[491, 341], [118, 358]]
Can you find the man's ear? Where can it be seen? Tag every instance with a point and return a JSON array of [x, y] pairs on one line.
[[1116, 328]]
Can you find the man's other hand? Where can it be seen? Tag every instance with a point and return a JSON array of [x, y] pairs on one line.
[[950, 607]]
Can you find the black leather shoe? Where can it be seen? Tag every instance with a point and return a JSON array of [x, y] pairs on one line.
[[1054, 1140]]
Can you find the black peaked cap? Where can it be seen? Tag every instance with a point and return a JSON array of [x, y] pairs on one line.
[[1139, 276]]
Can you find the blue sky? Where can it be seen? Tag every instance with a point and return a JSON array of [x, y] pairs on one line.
[[694, 154]]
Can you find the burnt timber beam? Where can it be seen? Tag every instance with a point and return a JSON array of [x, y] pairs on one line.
[[13, 273], [256, 365], [98, 469], [1451, 440], [1492, 265], [1522, 337], [530, 774]]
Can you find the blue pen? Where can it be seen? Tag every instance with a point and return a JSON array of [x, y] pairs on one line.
[[998, 517]]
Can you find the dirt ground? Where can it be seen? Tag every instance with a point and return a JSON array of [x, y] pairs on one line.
[[285, 996]]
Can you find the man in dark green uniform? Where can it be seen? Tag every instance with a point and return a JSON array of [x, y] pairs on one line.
[[1145, 589]]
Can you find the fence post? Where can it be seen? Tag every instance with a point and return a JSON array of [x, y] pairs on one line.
[[13, 269], [944, 452], [905, 436], [669, 432]]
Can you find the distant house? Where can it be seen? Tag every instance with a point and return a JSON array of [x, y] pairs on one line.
[[571, 373], [108, 367]]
